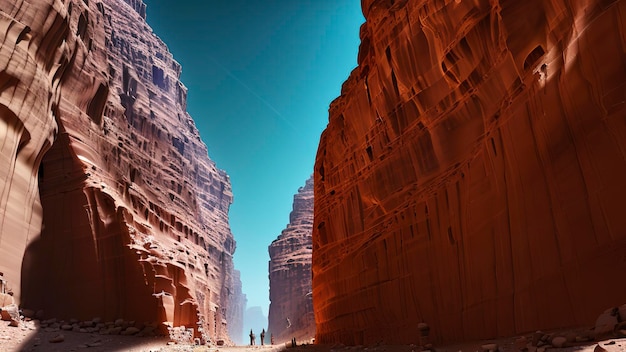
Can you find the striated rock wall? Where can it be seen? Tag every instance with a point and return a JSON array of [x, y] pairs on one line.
[[471, 174], [133, 217], [291, 305]]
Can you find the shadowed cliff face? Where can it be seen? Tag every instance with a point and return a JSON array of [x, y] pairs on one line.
[[471, 174], [133, 217], [291, 307]]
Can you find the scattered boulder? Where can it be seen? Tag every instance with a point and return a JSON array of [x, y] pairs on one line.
[[130, 331], [10, 312], [620, 329], [559, 341], [622, 312], [605, 324], [490, 347], [57, 339], [520, 343], [537, 337], [6, 299], [599, 348], [28, 313]]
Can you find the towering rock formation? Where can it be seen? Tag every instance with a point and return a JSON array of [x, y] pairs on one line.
[[471, 174], [133, 218], [291, 306]]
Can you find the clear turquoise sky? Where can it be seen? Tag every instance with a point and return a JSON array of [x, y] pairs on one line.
[[260, 75]]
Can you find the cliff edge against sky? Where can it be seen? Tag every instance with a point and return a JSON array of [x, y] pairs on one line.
[[133, 217]]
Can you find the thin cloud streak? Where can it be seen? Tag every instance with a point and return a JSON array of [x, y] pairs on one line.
[[265, 102]]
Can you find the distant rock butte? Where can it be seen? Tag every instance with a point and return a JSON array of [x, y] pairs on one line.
[[291, 306], [133, 217], [472, 172]]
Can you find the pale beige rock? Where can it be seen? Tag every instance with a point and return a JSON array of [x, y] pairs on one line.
[[133, 216], [291, 306]]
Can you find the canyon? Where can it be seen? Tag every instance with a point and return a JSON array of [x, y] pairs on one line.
[[109, 204], [291, 305], [471, 174]]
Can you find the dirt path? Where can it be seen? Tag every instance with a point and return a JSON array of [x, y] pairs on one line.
[[29, 338]]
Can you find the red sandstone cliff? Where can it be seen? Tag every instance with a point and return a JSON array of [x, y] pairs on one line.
[[472, 172], [133, 217], [291, 307]]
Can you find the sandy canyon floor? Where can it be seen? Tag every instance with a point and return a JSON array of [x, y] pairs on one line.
[[28, 337]]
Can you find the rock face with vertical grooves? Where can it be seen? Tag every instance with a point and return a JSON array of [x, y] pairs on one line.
[[291, 306], [472, 172], [133, 217]]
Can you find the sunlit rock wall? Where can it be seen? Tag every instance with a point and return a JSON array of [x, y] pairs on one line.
[[291, 306], [133, 218], [472, 172]]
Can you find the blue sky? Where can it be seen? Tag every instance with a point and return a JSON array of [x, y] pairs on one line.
[[260, 75]]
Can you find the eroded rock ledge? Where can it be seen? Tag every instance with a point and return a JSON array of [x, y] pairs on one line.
[[133, 217], [291, 306], [471, 174]]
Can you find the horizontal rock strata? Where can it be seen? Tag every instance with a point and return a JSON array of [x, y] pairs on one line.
[[471, 174], [133, 217], [291, 306]]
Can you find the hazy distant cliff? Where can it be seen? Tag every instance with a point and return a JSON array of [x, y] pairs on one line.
[[291, 306], [471, 174], [133, 217]]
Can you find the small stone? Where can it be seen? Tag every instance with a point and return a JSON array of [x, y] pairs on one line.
[[570, 336], [610, 343], [491, 347], [170, 343], [10, 312], [82, 346], [605, 324], [14, 323], [119, 322], [599, 348], [520, 343], [537, 337], [622, 312], [620, 329], [559, 341], [94, 344], [97, 320], [130, 331], [57, 339], [115, 331], [66, 327]]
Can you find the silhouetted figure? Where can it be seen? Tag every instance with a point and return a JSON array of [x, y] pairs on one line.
[[272, 339], [262, 337], [293, 342], [252, 337]]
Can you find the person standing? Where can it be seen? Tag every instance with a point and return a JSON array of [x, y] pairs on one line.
[[262, 337], [251, 338]]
